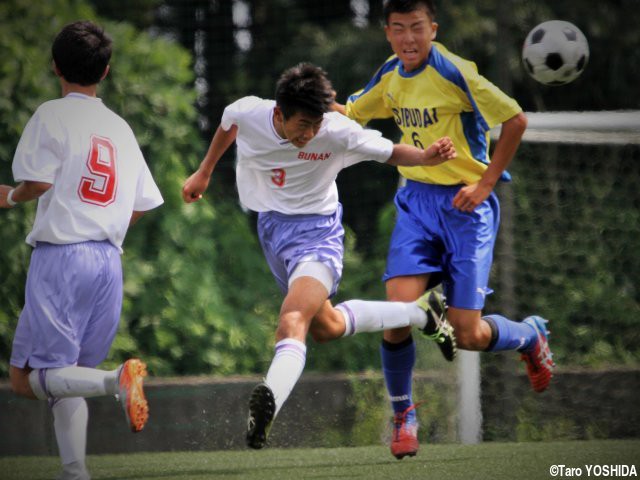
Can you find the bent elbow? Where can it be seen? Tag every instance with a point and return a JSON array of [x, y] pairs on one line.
[[37, 188], [521, 121]]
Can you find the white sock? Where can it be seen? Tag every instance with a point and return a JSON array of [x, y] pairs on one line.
[[70, 417], [73, 382], [286, 368], [369, 316]]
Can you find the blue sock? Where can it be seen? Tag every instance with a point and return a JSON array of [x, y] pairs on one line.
[[398, 360], [510, 335]]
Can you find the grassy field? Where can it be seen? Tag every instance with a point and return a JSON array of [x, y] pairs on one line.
[[451, 462]]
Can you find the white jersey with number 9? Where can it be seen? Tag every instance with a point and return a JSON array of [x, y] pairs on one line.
[[98, 174]]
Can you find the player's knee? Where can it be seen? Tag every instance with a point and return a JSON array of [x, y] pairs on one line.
[[291, 324], [321, 335], [324, 330], [20, 385], [397, 335]]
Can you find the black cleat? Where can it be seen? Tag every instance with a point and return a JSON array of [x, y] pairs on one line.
[[262, 409], [438, 328]]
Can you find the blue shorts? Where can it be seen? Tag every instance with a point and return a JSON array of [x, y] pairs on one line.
[[72, 306], [456, 248], [290, 239]]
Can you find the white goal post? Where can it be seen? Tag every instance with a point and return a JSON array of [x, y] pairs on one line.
[[587, 128], [606, 127]]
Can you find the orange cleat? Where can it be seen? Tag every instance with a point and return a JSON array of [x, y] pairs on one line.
[[131, 394]]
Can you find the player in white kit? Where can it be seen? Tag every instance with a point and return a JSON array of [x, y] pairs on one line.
[[83, 164], [289, 153]]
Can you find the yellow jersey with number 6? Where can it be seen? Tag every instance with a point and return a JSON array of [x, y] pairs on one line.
[[446, 96]]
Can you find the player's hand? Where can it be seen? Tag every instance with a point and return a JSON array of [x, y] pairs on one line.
[[470, 196], [4, 191], [195, 186], [440, 151]]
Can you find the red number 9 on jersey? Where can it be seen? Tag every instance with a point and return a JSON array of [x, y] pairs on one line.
[[99, 188]]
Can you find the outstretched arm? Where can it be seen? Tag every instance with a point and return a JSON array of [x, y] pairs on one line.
[[197, 183], [469, 197], [24, 192], [339, 107], [410, 156]]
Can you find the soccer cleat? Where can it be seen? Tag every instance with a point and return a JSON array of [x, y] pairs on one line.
[[539, 360], [404, 442], [131, 393], [262, 409], [438, 328], [74, 471]]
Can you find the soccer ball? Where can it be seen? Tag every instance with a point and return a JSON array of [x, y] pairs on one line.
[[555, 52]]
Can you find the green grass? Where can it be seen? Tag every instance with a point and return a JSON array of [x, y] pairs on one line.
[[493, 461]]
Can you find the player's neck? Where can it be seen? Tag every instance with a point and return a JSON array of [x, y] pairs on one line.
[[88, 90]]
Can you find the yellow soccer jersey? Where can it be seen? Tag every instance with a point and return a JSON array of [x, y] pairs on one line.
[[446, 96]]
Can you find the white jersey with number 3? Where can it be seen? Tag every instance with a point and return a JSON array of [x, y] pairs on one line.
[[98, 174], [274, 175]]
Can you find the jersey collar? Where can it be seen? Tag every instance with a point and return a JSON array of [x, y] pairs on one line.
[[403, 73], [82, 96]]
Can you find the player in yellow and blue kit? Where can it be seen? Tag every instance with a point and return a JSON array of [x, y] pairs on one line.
[[447, 215]]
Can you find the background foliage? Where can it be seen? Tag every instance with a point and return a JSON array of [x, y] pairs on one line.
[[199, 296]]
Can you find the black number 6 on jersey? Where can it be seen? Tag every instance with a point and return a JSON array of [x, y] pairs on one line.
[[416, 140]]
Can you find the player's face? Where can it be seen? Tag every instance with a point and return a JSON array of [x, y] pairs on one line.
[[300, 128], [410, 35]]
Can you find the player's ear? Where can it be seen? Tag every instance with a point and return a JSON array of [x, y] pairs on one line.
[[434, 30], [277, 114], [387, 32], [105, 73], [55, 69]]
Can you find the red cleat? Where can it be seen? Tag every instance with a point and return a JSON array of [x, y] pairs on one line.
[[405, 436], [540, 359]]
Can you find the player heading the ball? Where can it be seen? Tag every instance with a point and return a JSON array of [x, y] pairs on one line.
[[289, 153]]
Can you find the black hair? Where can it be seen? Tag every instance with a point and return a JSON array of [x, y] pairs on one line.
[[408, 6], [82, 51], [304, 88]]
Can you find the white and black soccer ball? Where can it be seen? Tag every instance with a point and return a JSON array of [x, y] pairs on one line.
[[555, 52]]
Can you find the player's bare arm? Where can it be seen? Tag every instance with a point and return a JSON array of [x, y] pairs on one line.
[[339, 107], [469, 197], [24, 192], [409, 156], [197, 183], [135, 216]]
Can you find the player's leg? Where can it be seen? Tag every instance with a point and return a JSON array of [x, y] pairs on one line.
[[415, 257], [98, 336], [76, 325], [360, 316], [398, 354], [51, 327], [469, 265], [70, 419], [492, 333], [305, 297], [125, 382]]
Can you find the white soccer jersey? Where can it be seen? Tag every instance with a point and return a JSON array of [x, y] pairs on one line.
[[274, 175], [99, 176]]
